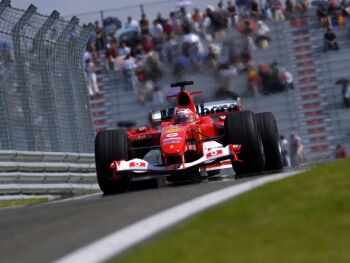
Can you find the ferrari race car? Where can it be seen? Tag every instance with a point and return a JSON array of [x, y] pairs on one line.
[[194, 141]]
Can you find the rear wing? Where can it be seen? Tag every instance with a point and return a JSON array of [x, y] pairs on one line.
[[215, 108]]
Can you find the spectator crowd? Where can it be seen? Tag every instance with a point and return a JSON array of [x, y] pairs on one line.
[[198, 40], [191, 42]]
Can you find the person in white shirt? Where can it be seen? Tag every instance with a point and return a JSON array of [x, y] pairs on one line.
[[285, 151], [156, 30], [297, 155], [129, 67], [262, 35], [289, 80], [131, 24], [91, 78], [124, 50]]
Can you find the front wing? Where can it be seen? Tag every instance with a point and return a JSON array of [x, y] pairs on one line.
[[210, 157]]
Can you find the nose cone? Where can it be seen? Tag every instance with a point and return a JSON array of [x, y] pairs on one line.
[[173, 140]]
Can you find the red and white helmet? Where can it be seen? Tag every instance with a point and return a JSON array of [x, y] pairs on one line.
[[184, 115]]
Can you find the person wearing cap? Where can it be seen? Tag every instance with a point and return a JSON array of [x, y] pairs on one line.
[[262, 35]]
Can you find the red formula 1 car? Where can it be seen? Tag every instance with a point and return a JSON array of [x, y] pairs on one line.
[[195, 141]]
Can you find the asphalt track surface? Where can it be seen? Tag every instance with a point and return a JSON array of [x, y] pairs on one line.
[[47, 232]]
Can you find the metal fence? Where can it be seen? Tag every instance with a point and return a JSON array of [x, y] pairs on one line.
[[150, 8], [43, 95]]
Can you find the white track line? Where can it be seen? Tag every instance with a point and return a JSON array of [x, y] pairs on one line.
[[127, 237]]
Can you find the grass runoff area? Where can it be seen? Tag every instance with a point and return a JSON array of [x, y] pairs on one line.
[[22, 202], [305, 218]]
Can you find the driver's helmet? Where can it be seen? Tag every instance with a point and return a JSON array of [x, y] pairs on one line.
[[184, 115]]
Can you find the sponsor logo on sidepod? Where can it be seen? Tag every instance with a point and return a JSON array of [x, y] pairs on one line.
[[171, 135]]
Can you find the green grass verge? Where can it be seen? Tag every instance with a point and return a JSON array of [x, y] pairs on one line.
[[21, 202], [305, 218]]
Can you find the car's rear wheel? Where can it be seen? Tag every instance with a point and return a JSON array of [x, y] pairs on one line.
[[241, 128], [111, 145], [269, 134]]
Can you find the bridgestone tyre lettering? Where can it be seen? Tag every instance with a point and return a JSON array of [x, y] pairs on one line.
[[270, 138], [111, 145], [241, 128]]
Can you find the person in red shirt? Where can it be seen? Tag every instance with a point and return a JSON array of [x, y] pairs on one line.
[[340, 152], [168, 29], [197, 16], [111, 54]]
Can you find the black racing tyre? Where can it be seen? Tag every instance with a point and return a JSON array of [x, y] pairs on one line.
[[111, 145], [241, 128], [269, 134]]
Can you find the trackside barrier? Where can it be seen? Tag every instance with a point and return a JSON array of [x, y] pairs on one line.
[[23, 172]]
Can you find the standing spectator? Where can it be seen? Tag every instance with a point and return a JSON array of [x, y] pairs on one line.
[[248, 33], [296, 150], [219, 19], [129, 67], [285, 151], [91, 78], [332, 13], [111, 54], [288, 79], [346, 95], [289, 9], [278, 10], [147, 44], [241, 7], [232, 12], [87, 54], [131, 24], [144, 24], [160, 20], [255, 9], [207, 27], [185, 17], [322, 16], [330, 40], [100, 38], [156, 31], [175, 23], [168, 29], [340, 152], [302, 6], [345, 84], [197, 19]]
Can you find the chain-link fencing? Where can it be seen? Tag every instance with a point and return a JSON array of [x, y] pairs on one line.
[[43, 95]]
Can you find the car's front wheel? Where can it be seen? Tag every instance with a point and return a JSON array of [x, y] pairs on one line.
[[111, 145], [241, 128]]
